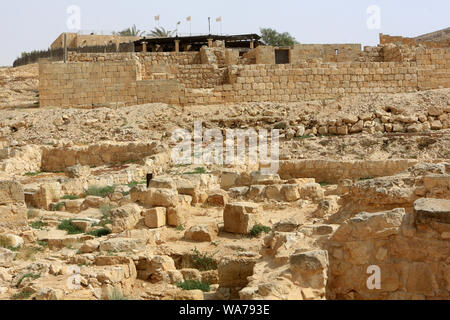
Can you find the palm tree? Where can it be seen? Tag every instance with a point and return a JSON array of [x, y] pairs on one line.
[[160, 33], [130, 32]]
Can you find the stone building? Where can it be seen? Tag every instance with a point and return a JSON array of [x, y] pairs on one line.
[[208, 70]]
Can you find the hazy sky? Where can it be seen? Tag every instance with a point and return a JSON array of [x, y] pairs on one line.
[[31, 25]]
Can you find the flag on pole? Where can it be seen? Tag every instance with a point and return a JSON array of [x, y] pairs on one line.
[[219, 19], [189, 19], [157, 17]]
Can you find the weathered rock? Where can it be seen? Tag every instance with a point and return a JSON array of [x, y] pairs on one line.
[[49, 294], [162, 183], [176, 216], [122, 244], [49, 193], [11, 192], [239, 217], [371, 226], [94, 202], [228, 179], [191, 274], [155, 217], [217, 198], [125, 217], [288, 225], [309, 270], [115, 196], [11, 240], [148, 267], [435, 111], [90, 246], [167, 198], [138, 193], [59, 242], [74, 206], [290, 192], [210, 277], [312, 191], [203, 233], [234, 271], [78, 171], [81, 224], [427, 210], [6, 255], [436, 125]]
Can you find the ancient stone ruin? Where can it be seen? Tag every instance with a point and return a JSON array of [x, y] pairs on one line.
[[94, 206]]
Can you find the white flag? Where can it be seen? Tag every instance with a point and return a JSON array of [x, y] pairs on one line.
[[157, 18], [219, 19], [189, 18]]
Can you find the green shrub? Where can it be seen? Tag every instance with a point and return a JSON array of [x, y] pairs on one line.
[[22, 295], [99, 232], [106, 215], [199, 170], [67, 225], [39, 225], [324, 184], [70, 197], [27, 275], [42, 243], [306, 136], [180, 228], [202, 261], [33, 174], [194, 285], [133, 184], [100, 191], [58, 206], [258, 229]]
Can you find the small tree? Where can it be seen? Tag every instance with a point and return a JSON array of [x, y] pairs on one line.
[[130, 32], [160, 33], [273, 38]]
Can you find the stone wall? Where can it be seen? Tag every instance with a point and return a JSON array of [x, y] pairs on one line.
[[326, 52], [411, 254], [434, 69], [387, 39], [87, 84], [331, 171], [75, 40], [81, 84], [58, 159]]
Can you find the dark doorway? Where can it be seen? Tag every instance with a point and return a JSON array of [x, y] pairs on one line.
[[282, 56]]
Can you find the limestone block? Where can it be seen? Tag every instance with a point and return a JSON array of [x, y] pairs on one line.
[[202, 233], [125, 217], [234, 271], [11, 192], [167, 198], [427, 210], [155, 217], [239, 217]]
